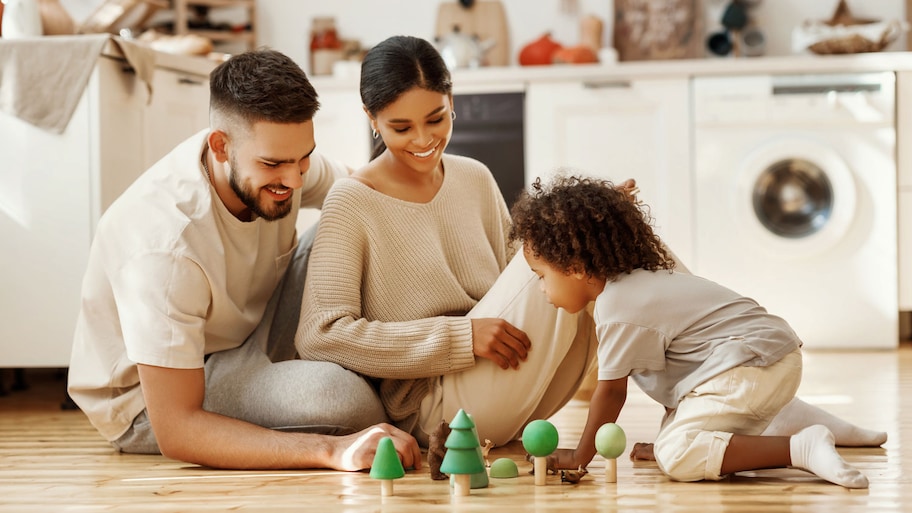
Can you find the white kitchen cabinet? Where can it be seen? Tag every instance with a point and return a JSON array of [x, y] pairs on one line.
[[619, 129], [904, 182], [179, 108], [341, 127], [342, 133], [905, 249], [54, 188]]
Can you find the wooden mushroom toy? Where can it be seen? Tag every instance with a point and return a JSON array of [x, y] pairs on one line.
[[540, 439], [610, 442]]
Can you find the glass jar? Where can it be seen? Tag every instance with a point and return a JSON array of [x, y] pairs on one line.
[[325, 45]]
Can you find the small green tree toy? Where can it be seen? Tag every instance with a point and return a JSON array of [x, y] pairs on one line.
[[462, 458], [386, 465], [539, 439]]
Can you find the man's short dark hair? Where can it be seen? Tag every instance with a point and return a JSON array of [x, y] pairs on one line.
[[262, 85]]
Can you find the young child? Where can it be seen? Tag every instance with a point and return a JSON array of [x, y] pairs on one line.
[[721, 365]]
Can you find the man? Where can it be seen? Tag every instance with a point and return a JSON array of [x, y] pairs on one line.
[[184, 296]]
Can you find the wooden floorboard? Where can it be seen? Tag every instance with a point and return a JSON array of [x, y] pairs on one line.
[[52, 460]]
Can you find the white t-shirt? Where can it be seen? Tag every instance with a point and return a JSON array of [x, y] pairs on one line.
[[672, 331], [174, 276]]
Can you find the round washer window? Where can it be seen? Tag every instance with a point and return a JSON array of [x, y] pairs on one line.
[[793, 198]]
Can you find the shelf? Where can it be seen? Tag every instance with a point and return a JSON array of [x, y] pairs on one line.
[[182, 10], [220, 3], [224, 35]]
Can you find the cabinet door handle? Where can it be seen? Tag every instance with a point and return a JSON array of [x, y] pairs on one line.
[[607, 84], [190, 81]]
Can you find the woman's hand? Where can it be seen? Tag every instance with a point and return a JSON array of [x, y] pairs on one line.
[[499, 341]]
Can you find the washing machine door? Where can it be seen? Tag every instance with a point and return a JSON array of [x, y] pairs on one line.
[[795, 197]]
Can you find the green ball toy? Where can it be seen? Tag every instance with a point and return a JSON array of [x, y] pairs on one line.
[[540, 438], [610, 441]]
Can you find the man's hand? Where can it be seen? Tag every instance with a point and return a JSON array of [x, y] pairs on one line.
[[499, 341], [356, 451]]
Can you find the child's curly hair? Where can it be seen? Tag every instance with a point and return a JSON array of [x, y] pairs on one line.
[[588, 225]]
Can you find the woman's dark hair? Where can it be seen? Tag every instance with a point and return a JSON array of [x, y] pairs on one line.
[[587, 225], [262, 85], [396, 65]]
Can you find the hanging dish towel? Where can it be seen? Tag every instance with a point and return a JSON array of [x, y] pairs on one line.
[[46, 94]]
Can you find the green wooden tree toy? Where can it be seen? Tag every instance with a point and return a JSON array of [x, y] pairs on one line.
[[478, 479], [462, 458], [610, 442], [540, 439], [386, 465]]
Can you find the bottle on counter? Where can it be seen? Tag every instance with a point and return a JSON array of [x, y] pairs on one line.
[[21, 19], [325, 46]]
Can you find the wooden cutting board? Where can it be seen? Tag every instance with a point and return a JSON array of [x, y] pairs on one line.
[[647, 29], [486, 19]]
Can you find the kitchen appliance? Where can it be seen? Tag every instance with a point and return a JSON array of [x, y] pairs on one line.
[[461, 50], [489, 128], [795, 199], [486, 20]]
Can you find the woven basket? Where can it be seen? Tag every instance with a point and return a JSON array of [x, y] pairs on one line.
[[844, 33], [856, 43]]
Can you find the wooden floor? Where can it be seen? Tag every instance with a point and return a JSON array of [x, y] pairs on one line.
[[53, 461]]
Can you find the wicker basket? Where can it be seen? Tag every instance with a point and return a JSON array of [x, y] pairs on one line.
[[857, 43], [844, 33]]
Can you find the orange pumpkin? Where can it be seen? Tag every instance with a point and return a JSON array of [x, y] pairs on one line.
[[539, 52]]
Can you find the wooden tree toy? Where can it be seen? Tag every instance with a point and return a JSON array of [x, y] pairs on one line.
[[610, 442], [463, 457], [386, 465], [478, 479], [540, 439]]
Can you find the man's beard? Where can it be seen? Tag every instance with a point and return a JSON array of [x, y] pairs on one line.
[[278, 210]]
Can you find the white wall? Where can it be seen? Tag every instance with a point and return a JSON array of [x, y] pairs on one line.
[[285, 24]]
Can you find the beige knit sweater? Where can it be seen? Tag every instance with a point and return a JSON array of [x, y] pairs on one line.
[[389, 281]]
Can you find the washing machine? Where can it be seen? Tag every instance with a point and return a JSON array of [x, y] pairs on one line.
[[795, 200]]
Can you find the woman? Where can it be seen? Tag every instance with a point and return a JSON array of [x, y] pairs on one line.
[[412, 280]]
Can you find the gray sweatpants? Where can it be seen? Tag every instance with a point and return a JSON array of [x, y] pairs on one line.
[[263, 383]]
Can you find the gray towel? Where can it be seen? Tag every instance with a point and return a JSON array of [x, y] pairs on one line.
[[43, 78]]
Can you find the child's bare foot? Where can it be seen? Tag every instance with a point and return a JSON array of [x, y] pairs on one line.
[[642, 452]]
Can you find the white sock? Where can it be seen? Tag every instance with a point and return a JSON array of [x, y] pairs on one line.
[[814, 450], [798, 415]]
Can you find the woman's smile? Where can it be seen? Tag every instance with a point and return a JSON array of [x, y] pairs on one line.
[[426, 153]]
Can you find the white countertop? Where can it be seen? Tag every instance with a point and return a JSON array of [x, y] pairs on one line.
[[191, 64], [515, 77]]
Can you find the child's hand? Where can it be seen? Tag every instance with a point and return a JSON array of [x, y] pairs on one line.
[[561, 459], [642, 451]]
